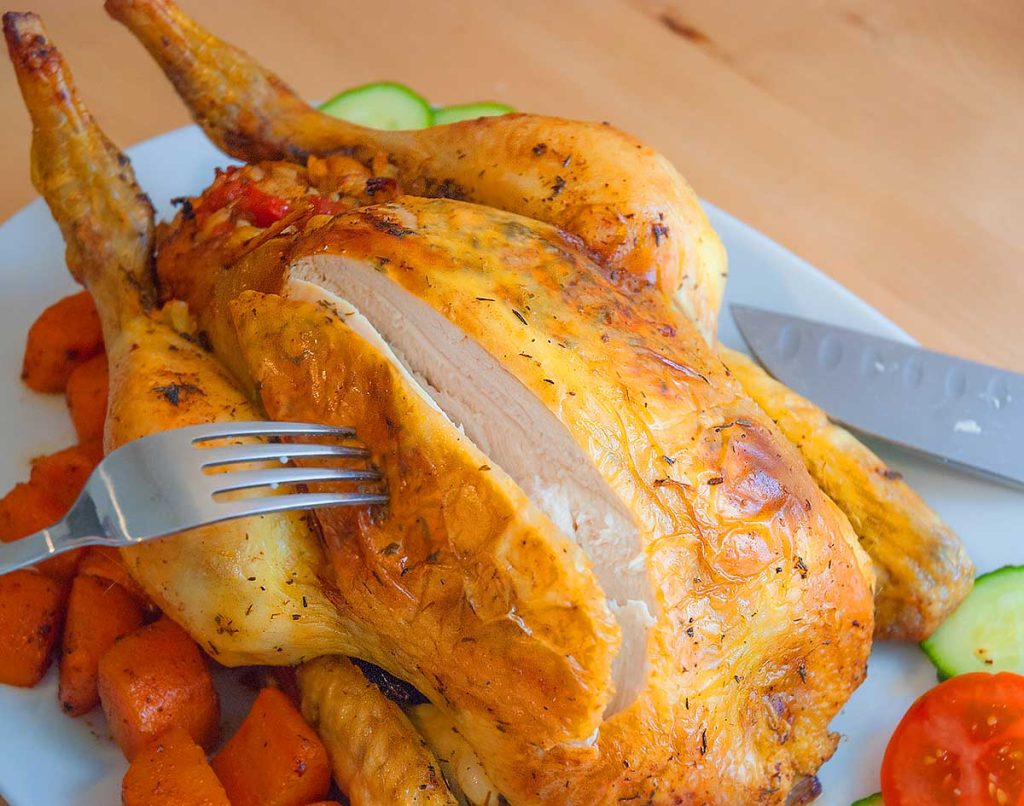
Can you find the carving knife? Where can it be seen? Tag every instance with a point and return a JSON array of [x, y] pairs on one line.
[[961, 412]]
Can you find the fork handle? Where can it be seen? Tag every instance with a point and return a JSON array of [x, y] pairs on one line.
[[35, 548]]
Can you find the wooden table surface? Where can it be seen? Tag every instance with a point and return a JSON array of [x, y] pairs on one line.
[[881, 140]]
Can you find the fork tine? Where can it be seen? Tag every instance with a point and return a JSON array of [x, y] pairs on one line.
[[245, 479], [282, 503], [259, 452], [258, 428]]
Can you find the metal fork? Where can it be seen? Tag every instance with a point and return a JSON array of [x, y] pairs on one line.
[[159, 485]]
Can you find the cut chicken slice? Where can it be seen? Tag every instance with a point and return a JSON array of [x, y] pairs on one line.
[[472, 593], [509, 425]]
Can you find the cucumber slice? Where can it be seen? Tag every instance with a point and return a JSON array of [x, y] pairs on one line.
[[986, 632], [483, 109], [382, 105], [870, 800]]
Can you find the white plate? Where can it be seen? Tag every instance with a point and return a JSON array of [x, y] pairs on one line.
[[46, 758]]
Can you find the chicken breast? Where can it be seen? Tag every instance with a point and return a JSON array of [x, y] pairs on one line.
[[922, 568], [472, 592]]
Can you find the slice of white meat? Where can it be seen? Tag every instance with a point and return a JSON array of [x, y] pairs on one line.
[[510, 425]]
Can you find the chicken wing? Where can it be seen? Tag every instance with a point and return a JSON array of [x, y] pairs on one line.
[[622, 198], [376, 754], [460, 765], [922, 567]]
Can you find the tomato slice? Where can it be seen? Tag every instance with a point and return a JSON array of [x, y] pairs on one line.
[[960, 743]]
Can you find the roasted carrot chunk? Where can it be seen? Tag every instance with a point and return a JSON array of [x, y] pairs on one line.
[[171, 770], [52, 488], [27, 508], [87, 398], [54, 485], [153, 679], [31, 608], [64, 473], [99, 612], [104, 562], [275, 758], [65, 334]]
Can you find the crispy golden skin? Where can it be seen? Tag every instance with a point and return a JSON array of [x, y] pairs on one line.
[[922, 568], [376, 754], [738, 537], [249, 591], [623, 199], [471, 590]]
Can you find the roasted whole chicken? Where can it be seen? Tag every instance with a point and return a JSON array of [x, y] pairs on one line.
[[606, 568]]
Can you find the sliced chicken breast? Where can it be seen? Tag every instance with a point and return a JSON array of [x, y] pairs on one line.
[[474, 596], [516, 432]]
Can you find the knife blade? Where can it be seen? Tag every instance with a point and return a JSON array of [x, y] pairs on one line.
[[959, 411]]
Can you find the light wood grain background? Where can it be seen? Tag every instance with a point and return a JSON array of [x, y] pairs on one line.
[[882, 140]]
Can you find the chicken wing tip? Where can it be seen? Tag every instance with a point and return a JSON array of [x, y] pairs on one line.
[[24, 32]]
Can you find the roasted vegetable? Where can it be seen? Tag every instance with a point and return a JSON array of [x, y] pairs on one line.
[[154, 679], [52, 488], [99, 612], [31, 612], [105, 563], [64, 336], [86, 392], [171, 770], [275, 758]]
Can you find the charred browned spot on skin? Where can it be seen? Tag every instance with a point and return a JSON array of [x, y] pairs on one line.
[[445, 189], [805, 791], [659, 231], [381, 184], [382, 222], [174, 392], [683, 29]]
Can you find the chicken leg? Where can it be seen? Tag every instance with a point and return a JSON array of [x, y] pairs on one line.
[[250, 591], [622, 198]]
